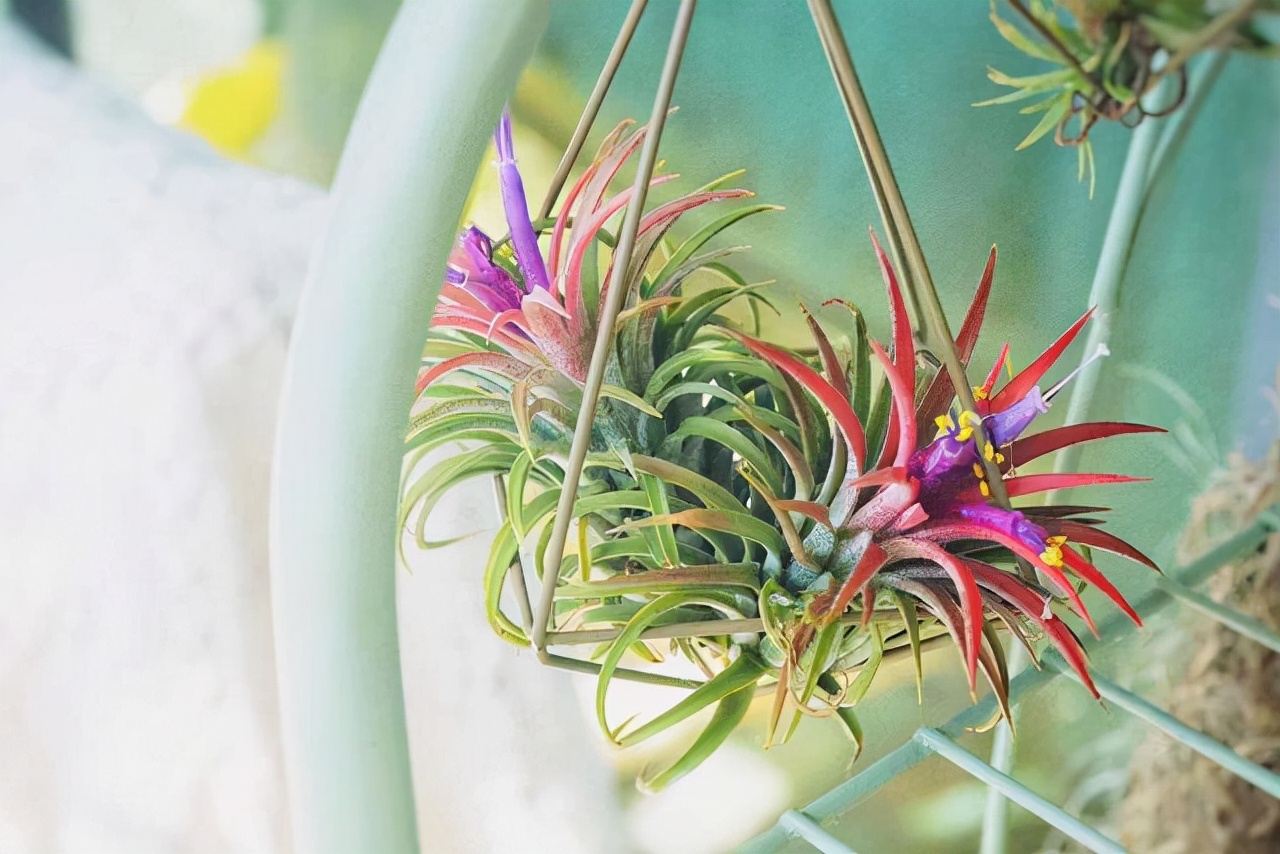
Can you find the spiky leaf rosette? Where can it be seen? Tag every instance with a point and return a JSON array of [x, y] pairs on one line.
[[912, 525], [517, 319]]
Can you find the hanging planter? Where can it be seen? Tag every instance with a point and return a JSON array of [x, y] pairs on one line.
[[781, 521]]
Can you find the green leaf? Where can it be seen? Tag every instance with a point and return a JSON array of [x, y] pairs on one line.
[[710, 493], [907, 607], [706, 577], [502, 554], [862, 682], [1018, 39], [685, 251], [722, 434], [844, 714], [629, 398], [659, 506], [1048, 121], [645, 617], [743, 672], [742, 525], [728, 715]]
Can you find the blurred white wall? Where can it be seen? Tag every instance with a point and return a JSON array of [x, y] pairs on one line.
[[146, 292]]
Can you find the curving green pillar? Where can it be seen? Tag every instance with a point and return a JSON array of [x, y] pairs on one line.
[[419, 135]]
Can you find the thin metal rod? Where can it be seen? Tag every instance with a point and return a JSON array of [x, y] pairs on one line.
[[812, 832], [592, 108], [1018, 793], [894, 211], [577, 665], [1210, 748], [883, 186], [713, 628], [1243, 625], [995, 814], [608, 317]]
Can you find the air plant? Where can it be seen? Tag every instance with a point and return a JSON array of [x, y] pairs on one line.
[[1116, 53], [760, 513], [919, 523], [522, 325]]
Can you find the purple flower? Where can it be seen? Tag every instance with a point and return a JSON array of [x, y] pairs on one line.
[[514, 204]]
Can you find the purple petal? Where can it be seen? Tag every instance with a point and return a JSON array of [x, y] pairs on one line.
[[516, 207], [1005, 426], [1010, 522]]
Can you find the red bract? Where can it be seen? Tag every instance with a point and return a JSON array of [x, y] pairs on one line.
[[933, 526]]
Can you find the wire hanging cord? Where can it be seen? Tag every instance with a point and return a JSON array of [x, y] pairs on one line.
[[908, 255], [608, 318]]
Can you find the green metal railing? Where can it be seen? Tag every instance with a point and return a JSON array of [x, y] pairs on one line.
[[807, 824]]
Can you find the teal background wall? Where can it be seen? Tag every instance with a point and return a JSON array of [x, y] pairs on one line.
[[755, 92]]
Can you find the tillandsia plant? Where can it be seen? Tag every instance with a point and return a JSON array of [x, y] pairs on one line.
[[1113, 54], [781, 521]]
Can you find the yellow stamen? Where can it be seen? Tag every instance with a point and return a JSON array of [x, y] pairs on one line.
[[1052, 554], [999, 458], [978, 471], [989, 451], [984, 489], [979, 393]]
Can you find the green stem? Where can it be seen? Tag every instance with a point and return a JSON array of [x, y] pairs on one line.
[[418, 139]]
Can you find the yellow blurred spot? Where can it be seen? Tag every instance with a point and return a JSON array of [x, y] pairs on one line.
[[232, 107]]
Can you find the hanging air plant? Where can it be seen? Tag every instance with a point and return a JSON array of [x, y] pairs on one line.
[[1116, 54], [779, 520]]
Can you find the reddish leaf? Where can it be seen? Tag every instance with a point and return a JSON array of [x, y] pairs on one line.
[[496, 362], [1033, 447], [1029, 484], [830, 362], [819, 513], [872, 560], [1030, 605], [585, 232], [1091, 575], [834, 402], [903, 407], [1088, 535], [1019, 386], [904, 345], [970, 596], [946, 532], [938, 398]]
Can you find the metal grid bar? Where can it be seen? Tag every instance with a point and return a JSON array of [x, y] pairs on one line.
[[812, 832], [1016, 792], [1239, 623], [862, 785]]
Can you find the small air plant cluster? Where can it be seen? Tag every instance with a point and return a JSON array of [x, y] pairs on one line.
[[1110, 55], [780, 521]]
